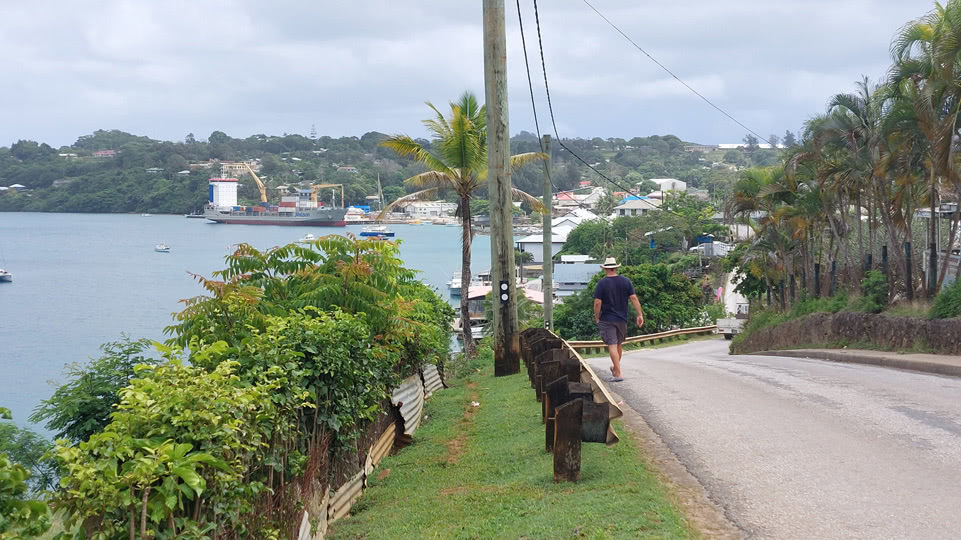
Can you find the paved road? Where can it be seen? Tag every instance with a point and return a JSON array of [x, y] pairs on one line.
[[796, 448]]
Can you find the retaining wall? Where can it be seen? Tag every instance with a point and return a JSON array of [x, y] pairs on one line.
[[940, 336]]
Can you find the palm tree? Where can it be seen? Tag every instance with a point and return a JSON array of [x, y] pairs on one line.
[[456, 161], [927, 66]]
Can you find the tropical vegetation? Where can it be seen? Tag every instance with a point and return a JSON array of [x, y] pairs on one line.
[[279, 368], [456, 161], [847, 198]]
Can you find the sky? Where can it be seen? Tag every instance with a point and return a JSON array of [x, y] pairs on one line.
[[244, 67]]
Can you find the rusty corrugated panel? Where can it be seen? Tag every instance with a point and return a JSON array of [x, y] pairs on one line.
[[383, 445], [409, 396], [432, 381], [320, 522], [345, 496]]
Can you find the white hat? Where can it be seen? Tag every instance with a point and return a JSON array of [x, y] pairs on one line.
[[610, 262]]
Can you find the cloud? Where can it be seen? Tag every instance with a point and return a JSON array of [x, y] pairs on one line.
[[167, 68]]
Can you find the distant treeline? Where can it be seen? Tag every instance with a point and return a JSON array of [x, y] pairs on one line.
[[140, 174]]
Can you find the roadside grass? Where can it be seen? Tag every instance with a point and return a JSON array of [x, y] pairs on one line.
[[482, 472]]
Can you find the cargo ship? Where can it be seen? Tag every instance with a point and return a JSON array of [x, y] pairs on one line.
[[300, 209]]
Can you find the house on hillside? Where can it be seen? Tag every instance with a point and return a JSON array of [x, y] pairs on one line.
[[636, 207], [534, 244], [430, 209], [670, 184], [571, 278], [105, 153]]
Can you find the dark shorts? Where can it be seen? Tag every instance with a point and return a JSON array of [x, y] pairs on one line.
[[613, 333]]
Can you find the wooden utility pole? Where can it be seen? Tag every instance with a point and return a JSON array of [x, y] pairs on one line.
[[506, 345], [548, 285]]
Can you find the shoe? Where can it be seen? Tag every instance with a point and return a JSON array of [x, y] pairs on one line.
[[617, 379]]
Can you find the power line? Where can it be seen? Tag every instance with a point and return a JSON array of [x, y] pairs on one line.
[[671, 73], [537, 126], [550, 106]]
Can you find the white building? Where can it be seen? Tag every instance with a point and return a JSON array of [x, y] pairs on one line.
[[636, 207], [429, 209], [670, 184], [534, 244]]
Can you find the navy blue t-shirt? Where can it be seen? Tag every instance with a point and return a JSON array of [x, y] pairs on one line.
[[614, 291]]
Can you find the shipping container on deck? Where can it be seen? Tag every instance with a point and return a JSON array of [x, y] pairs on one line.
[[288, 204]]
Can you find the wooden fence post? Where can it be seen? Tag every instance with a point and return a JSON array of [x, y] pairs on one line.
[[567, 441]]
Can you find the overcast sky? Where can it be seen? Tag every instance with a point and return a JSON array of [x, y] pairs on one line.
[[166, 68]]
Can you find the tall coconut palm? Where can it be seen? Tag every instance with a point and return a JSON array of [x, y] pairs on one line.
[[456, 161], [927, 66]]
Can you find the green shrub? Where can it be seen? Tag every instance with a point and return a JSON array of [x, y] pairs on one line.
[[875, 288], [947, 304], [19, 518]]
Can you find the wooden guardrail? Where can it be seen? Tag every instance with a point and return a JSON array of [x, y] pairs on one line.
[[599, 346]]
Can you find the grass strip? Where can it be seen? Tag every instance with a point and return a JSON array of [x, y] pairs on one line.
[[482, 472]]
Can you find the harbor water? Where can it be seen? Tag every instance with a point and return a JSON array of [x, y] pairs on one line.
[[80, 280]]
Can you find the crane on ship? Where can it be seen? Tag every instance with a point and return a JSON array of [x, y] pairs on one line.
[[317, 187], [260, 184]]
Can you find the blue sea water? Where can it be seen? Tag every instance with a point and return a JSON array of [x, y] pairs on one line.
[[80, 280]]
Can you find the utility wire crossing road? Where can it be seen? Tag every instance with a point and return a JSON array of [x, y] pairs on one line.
[[795, 448]]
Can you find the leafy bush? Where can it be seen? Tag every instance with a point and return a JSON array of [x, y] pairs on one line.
[[947, 304], [26, 448], [179, 457], [668, 300], [710, 313], [19, 518], [82, 406], [875, 288]]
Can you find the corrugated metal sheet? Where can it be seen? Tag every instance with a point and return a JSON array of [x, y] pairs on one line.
[[321, 522], [344, 497], [383, 445], [409, 396], [432, 381]]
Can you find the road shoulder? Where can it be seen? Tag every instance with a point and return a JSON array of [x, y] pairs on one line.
[[706, 516], [938, 364]]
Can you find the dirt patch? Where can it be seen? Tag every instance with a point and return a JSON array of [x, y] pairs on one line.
[[455, 446], [383, 474], [706, 517], [454, 490]]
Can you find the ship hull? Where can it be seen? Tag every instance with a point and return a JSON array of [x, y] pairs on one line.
[[279, 221], [315, 218]]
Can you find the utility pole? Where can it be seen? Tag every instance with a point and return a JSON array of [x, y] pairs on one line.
[[548, 244], [506, 346]]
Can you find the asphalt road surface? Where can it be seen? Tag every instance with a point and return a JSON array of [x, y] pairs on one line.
[[795, 448]]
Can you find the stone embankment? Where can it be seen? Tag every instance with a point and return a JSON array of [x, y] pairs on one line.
[[939, 336]]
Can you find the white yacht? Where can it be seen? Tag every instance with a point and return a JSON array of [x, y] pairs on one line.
[[5, 276], [308, 238], [162, 248]]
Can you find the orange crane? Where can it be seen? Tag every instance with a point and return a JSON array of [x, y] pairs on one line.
[[260, 184], [317, 187]]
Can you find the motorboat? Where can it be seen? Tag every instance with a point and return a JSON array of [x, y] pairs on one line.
[[162, 248], [377, 231], [5, 276], [455, 284], [308, 238], [477, 328]]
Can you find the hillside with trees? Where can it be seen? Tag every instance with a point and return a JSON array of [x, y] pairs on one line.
[[114, 171]]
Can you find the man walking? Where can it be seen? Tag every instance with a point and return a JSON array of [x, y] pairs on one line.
[[610, 312]]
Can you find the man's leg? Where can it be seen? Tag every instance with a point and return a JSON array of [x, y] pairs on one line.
[[615, 351]]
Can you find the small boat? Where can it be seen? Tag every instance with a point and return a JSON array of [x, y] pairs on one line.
[[195, 216], [162, 248], [477, 328], [377, 231], [455, 284], [308, 238], [145, 215], [5, 276]]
